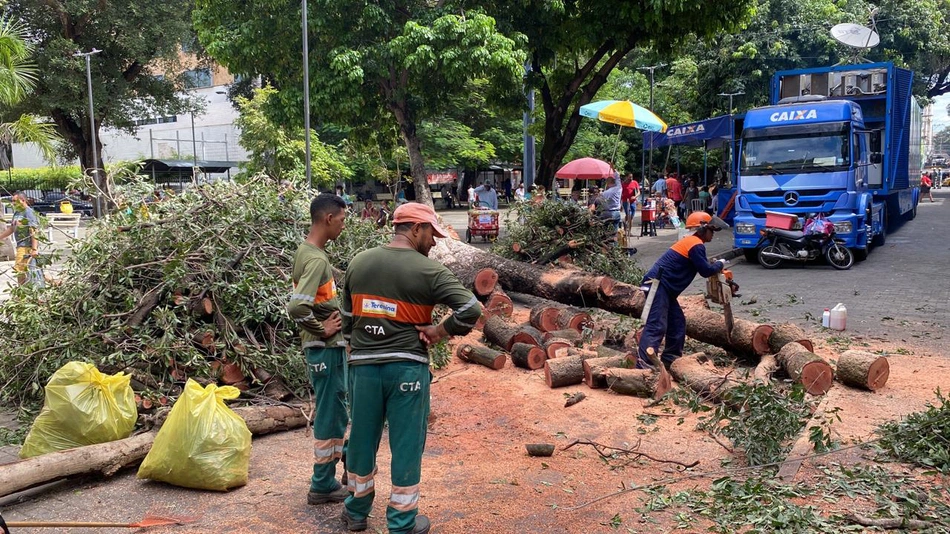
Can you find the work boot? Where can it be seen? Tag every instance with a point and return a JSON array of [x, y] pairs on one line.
[[356, 525], [422, 525], [338, 495]]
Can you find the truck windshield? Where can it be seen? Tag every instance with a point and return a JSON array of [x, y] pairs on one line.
[[821, 148]]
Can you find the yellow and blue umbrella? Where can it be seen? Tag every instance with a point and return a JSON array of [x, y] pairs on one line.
[[624, 113]]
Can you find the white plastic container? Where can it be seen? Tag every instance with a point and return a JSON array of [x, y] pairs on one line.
[[826, 318], [838, 319]]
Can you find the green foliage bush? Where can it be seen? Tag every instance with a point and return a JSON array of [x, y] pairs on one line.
[[44, 178], [922, 438]]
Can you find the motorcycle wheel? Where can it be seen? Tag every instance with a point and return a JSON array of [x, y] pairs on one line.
[[768, 262], [839, 256]]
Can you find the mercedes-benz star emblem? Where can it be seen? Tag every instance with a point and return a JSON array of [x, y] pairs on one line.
[[791, 198]]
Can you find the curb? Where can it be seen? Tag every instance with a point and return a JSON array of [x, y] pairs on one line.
[[728, 255]]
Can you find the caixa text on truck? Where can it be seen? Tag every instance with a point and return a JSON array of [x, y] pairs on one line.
[[843, 141]]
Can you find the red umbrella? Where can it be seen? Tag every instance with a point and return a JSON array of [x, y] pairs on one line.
[[585, 169]]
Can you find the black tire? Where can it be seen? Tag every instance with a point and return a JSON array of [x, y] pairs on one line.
[[881, 238], [769, 263], [912, 214], [751, 254], [839, 256], [468, 236], [860, 254]]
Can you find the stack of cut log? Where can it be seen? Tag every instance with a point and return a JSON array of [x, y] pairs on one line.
[[571, 344]]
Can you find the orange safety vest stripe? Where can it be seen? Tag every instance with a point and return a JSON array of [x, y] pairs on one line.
[[683, 246], [392, 309], [325, 292]]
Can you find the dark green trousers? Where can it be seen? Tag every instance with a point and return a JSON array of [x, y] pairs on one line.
[[327, 368], [396, 393]]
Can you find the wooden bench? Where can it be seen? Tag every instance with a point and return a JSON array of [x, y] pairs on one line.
[[62, 222]]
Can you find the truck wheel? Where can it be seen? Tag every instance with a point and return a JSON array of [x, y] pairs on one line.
[[769, 262], [751, 254], [879, 239], [860, 254], [839, 256], [912, 214]]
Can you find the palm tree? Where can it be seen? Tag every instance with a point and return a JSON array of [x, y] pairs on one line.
[[17, 78]]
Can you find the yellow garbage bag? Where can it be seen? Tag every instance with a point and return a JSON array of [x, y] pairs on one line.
[[203, 443], [82, 407]]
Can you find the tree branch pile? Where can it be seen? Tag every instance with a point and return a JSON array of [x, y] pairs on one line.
[[193, 286]]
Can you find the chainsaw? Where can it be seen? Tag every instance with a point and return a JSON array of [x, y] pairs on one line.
[[721, 288]]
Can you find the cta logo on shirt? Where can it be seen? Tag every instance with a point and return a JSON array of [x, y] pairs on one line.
[[379, 307]]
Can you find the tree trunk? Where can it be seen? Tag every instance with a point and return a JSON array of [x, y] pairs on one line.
[[806, 368], [785, 333], [594, 370], [570, 334], [701, 376], [498, 303], [490, 358], [567, 316], [75, 130], [544, 317], [527, 356], [553, 345], [863, 370], [499, 332], [635, 382], [564, 372], [527, 334], [398, 103], [108, 458], [561, 285], [748, 339]]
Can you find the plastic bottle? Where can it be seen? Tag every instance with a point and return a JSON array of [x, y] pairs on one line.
[[826, 318], [839, 317]]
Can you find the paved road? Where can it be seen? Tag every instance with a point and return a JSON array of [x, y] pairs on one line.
[[901, 293]]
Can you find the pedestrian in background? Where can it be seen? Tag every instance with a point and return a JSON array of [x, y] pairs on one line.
[[628, 199], [925, 184], [389, 322], [314, 307], [24, 227]]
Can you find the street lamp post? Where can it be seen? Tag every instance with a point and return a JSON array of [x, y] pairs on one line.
[[651, 68], [730, 95], [306, 89], [194, 149], [92, 126]]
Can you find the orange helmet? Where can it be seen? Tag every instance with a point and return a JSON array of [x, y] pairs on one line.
[[702, 220]]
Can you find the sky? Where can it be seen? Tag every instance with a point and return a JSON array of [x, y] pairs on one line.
[[940, 118]]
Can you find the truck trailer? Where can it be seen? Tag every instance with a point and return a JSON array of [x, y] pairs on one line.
[[843, 141]]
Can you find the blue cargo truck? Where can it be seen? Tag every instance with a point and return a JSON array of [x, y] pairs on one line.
[[843, 141]]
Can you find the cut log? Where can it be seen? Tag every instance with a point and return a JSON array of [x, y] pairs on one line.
[[552, 346], [863, 370], [108, 458], [635, 382], [785, 333], [498, 303], [615, 327], [204, 340], [562, 285], [765, 369], [544, 317], [527, 334], [570, 334], [748, 339], [145, 307], [490, 358], [539, 449], [607, 352], [564, 372], [568, 316], [594, 369], [499, 332], [527, 356], [698, 374], [574, 352], [484, 282], [806, 368]]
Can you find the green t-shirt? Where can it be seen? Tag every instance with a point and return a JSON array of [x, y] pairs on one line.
[[314, 296]]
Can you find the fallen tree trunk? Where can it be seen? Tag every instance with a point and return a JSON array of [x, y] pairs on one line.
[[748, 339], [527, 356], [785, 333], [562, 285], [806, 368], [544, 317], [863, 370], [108, 458], [567, 317], [702, 377], [499, 332], [490, 358], [595, 369], [498, 303], [570, 334]]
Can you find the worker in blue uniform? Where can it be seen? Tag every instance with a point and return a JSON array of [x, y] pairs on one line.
[[670, 276]]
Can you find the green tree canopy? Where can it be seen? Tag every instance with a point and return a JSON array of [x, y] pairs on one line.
[[370, 63], [138, 40]]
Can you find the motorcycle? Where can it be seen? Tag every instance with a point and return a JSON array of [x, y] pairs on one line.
[[816, 240]]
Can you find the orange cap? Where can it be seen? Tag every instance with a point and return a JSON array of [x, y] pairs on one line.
[[413, 212]]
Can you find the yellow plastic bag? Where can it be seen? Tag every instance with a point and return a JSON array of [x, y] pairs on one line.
[[82, 407], [203, 443]]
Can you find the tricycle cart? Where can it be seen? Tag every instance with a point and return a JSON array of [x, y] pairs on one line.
[[482, 221]]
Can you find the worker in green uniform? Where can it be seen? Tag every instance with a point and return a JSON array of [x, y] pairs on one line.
[[388, 298], [314, 306]]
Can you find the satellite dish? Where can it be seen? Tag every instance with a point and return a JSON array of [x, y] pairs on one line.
[[855, 35]]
